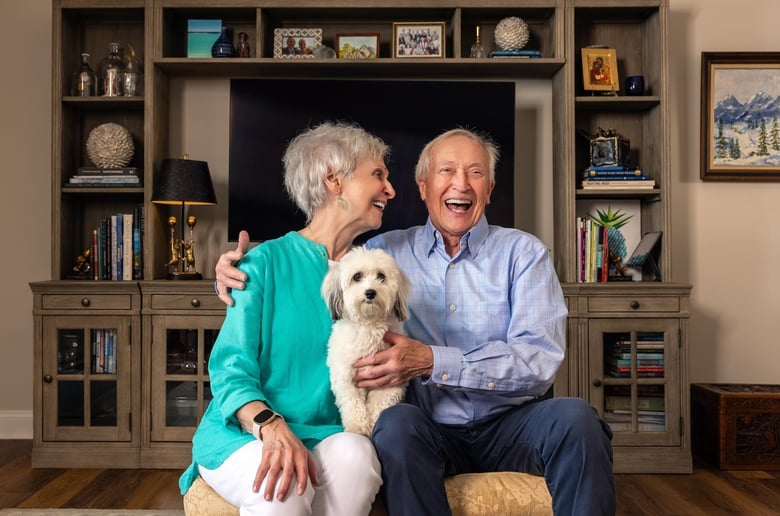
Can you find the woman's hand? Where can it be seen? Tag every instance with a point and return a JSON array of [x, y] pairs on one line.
[[284, 455], [227, 274]]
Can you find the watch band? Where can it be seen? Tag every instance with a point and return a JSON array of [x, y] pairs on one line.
[[263, 418]]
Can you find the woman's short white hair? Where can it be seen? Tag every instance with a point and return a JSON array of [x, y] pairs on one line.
[[490, 148], [330, 147]]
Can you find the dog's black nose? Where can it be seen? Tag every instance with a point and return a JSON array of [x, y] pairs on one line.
[[370, 293]]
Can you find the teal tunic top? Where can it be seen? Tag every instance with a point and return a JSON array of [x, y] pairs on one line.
[[272, 347]]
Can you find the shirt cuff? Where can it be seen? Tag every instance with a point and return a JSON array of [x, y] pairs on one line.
[[447, 366]]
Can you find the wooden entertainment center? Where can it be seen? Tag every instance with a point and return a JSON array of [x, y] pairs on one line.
[[141, 411]]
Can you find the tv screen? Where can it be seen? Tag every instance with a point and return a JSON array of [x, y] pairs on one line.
[[267, 113]]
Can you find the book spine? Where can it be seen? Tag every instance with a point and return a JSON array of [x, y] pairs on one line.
[[127, 246]]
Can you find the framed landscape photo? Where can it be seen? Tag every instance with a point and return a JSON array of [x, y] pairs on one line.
[[600, 69], [296, 43], [740, 116], [364, 45], [419, 39]]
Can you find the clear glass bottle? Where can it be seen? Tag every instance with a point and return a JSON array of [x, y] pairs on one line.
[[84, 82], [110, 72], [476, 49], [132, 75]]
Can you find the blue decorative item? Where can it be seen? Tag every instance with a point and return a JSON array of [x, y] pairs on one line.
[[223, 47]]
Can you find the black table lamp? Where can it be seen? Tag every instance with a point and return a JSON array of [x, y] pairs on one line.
[[183, 181]]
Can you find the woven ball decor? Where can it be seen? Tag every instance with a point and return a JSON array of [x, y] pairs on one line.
[[110, 146], [511, 33]]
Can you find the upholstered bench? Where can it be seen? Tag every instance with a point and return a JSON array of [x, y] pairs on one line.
[[484, 494]]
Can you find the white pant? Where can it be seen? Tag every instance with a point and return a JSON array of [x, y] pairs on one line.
[[348, 475]]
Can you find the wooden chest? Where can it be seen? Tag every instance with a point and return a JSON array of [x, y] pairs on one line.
[[736, 426]]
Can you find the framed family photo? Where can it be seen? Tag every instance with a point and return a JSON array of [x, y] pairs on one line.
[[296, 43], [740, 117], [363, 45], [600, 69], [421, 39]]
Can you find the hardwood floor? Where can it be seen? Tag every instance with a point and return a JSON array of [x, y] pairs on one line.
[[708, 491]]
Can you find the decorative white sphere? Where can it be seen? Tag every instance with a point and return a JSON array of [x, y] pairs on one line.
[[110, 145], [511, 33]]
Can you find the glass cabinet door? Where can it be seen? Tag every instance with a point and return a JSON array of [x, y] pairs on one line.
[[181, 391], [86, 378], [634, 370]]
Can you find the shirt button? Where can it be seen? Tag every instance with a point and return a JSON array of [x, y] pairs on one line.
[[445, 377], [451, 266], [491, 385], [452, 308]]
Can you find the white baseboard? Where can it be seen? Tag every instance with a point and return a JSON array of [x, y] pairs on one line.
[[16, 424]]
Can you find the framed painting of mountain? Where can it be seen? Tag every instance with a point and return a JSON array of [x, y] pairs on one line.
[[740, 116]]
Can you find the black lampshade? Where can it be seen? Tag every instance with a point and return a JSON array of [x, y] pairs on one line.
[[185, 181]]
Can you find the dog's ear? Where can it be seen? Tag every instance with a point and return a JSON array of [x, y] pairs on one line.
[[331, 291], [401, 307]]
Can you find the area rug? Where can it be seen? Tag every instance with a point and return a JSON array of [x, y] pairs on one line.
[[87, 512]]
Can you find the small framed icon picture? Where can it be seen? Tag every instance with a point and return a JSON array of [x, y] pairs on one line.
[[421, 39], [600, 69]]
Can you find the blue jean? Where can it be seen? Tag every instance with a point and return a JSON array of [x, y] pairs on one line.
[[562, 439]]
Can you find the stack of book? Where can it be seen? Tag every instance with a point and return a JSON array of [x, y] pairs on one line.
[[526, 54], [97, 176], [616, 177]]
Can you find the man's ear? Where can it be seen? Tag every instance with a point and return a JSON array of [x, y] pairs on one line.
[[421, 188]]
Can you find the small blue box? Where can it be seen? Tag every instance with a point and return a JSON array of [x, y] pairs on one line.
[[201, 35]]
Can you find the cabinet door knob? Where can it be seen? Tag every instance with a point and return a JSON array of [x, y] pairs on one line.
[[596, 382], [634, 304], [85, 301], [47, 378], [195, 302]]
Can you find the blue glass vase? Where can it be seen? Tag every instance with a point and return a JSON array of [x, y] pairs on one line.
[[223, 47]]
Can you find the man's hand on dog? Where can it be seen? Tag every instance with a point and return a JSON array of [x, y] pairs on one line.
[[405, 360]]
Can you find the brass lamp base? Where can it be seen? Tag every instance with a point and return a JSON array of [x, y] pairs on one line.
[[185, 275]]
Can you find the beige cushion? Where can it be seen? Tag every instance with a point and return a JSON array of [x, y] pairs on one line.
[[471, 494]]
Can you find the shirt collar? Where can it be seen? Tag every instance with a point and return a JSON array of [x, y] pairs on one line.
[[470, 242]]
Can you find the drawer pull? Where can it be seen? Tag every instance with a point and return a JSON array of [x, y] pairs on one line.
[[47, 378], [596, 382], [195, 302], [85, 302], [634, 304]]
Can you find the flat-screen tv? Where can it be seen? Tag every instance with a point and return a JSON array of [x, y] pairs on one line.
[[267, 113]]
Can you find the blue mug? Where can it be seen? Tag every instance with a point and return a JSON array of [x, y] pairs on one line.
[[635, 85]]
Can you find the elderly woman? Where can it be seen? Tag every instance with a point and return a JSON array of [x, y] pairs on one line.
[[271, 440]]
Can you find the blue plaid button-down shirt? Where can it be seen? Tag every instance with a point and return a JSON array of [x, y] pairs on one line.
[[494, 315]]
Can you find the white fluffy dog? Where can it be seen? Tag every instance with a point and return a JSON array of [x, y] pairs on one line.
[[367, 294]]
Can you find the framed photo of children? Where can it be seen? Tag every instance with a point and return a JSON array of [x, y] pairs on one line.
[[296, 43], [740, 122], [419, 39], [600, 69], [358, 45]]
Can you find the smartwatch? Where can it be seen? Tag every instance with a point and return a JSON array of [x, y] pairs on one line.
[[261, 419]]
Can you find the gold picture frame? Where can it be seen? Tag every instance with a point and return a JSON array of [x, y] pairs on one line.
[[600, 69], [419, 39]]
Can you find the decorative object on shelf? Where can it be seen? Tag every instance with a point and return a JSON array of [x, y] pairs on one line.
[[738, 117], [600, 69], [132, 75], [110, 145], [511, 33], [477, 51], [244, 50], [608, 148], [419, 39], [201, 35], [84, 81], [183, 182], [645, 257], [223, 46], [324, 52], [611, 221], [82, 269], [110, 72], [635, 85], [358, 45], [298, 43]]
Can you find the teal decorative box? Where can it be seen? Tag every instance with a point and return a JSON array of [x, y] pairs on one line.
[[201, 35]]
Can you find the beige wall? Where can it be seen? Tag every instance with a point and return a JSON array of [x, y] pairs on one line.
[[726, 236]]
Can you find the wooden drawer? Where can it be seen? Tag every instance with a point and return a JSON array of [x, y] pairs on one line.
[[86, 302], [633, 304], [187, 302]]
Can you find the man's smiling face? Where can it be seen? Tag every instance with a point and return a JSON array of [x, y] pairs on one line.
[[457, 187]]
